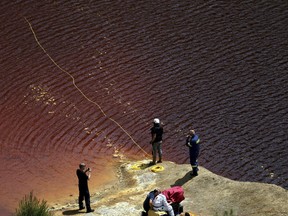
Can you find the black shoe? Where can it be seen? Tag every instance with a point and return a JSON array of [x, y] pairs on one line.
[[159, 161], [91, 210], [81, 208], [193, 174]]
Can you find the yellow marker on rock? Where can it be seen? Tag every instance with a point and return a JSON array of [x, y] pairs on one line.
[[157, 168]]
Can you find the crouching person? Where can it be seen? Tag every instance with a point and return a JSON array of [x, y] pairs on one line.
[[148, 202], [160, 203], [174, 196]]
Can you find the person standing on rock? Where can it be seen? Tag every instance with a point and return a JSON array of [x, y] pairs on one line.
[[156, 141], [193, 142], [84, 175]]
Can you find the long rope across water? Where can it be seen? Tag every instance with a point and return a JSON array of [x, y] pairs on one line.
[[75, 85]]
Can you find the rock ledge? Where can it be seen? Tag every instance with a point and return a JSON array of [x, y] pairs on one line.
[[205, 195]]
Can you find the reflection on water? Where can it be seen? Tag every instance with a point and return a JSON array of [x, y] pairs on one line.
[[217, 67]]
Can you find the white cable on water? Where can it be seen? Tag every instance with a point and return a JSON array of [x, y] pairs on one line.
[[75, 85]]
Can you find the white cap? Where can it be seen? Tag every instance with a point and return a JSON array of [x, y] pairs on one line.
[[156, 121], [82, 165]]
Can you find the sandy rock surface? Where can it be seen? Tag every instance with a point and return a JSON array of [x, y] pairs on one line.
[[205, 195]]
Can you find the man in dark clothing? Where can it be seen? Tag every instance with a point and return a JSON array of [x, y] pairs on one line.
[[83, 178], [156, 141], [193, 142], [147, 204]]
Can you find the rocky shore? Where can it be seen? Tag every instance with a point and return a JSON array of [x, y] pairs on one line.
[[205, 195]]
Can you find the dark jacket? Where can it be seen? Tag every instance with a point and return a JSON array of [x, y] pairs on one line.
[[158, 130], [83, 180]]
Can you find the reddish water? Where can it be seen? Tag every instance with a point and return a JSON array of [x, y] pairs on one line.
[[220, 68]]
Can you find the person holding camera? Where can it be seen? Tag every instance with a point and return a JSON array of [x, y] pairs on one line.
[[84, 175], [193, 142]]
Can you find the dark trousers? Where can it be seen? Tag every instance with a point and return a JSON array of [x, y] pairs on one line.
[[194, 153], [177, 208], [84, 194]]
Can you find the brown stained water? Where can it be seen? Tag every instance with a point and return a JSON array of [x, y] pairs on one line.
[[217, 67]]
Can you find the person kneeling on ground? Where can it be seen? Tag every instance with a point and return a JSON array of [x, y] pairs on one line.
[[147, 204], [174, 196], [160, 203]]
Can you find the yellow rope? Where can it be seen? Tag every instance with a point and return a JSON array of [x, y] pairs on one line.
[[74, 83]]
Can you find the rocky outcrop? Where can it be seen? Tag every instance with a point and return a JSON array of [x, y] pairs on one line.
[[205, 195]]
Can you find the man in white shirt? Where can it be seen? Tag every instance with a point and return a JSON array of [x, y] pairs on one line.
[[160, 204]]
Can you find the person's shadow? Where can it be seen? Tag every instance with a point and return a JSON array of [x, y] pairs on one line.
[[183, 180], [72, 212]]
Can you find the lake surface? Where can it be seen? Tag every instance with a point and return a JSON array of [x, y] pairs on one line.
[[83, 80]]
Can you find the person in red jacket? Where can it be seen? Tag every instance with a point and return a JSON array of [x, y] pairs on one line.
[[174, 196]]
